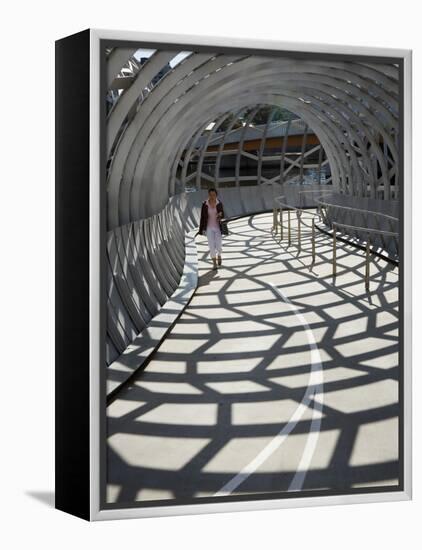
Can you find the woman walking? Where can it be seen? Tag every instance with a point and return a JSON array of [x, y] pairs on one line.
[[212, 213]]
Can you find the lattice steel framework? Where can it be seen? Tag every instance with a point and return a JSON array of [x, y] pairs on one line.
[[277, 151], [351, 107]]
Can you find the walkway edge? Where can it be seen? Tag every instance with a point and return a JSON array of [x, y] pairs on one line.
[[138, 353]]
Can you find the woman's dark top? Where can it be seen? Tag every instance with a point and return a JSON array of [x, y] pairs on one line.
[[204, 216]]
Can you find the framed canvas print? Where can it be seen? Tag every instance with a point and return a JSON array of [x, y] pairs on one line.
[[233, 274]]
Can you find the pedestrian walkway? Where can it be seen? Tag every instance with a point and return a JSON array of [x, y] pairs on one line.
[[276, 377]]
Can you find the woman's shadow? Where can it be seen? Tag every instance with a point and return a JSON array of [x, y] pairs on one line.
[[206, 277]]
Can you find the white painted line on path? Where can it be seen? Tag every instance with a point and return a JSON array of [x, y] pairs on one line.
[[315, 386]]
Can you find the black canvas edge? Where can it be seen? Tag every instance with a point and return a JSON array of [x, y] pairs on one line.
[[72, 335]]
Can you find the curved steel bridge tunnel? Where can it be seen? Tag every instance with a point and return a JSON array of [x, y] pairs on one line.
[[157, 126], [255, 127]]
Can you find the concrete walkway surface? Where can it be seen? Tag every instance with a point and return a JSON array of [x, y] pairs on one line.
[[275, 378]]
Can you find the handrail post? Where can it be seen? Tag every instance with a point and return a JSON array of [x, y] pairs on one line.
[[313, 240], [334, 251], [298, 231], [288, 227], [367, 256], [281, 223], [275, 220]]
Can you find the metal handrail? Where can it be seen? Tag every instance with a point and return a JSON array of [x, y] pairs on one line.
[[367, 229], [330, 192], [299, 211], [351, 208], [320, 191], [391, 220], [279, 223], [367, 247]]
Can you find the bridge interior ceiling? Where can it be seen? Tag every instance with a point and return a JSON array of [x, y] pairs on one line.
[[172, 117]]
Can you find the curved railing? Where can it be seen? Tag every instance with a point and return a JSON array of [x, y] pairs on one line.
[[278, 224], [368, 232], [278, 214], [376, 217]]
